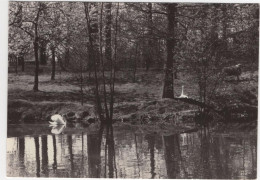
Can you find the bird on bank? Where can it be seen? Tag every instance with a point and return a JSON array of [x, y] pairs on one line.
[[57, 119], [182, 94]]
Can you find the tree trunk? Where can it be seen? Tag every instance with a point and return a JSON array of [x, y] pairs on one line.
[[36, 48], [60, 63], [67, 57], [108, 48], [92, 53], [22, 63], [135, 62], [224, 24], [16, 65], [53, 63], [101, 58], [43, 58], [213, 31], [112, 77], [36, 80], [149, 58], [168, 89], [224, 11], [81, 86]]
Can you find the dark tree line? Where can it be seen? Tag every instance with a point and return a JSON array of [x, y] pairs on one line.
[[102, 38]]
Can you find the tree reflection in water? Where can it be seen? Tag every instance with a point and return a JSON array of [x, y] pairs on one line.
[[221, 166], [70, 154], [45, 158], [21, 148], [205, 153], [54, 166], [82, 165], [37, 156], [110, 151], [151, 142], [137, 156], [172, 155], [96, 155]]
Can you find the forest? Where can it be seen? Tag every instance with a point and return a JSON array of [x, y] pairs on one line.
[[132, 90], [140, 63]]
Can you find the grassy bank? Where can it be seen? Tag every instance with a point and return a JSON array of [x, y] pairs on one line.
[[137, 102]]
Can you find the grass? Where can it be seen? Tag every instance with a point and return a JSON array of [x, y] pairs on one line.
[[133, 100]]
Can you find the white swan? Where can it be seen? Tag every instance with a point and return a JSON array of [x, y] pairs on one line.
[[57, 120], [57, 129], [182, 94]]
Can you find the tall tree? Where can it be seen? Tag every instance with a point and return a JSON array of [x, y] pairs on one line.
[[43, 52], [108, 48], [148, 49], [29, 23], [168, 89], [113, 63], [92, 26], [36, 45]]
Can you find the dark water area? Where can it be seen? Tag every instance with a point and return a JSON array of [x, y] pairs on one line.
[[118, 152]]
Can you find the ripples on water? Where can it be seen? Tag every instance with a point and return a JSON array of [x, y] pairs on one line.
[[124, 154]]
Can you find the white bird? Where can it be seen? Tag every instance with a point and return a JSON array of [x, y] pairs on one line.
[[182, 94], [57, 129], [57, 120]]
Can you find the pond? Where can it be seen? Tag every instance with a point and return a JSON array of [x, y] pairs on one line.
[[120, 152]]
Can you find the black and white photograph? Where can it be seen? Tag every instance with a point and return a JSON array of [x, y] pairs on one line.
[[132, 90]]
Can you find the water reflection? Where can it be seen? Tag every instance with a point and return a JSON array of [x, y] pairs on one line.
[[21, 146], [94, 156], [151, 143], [45, 170], [172, 156], [37, 156], [58, 129], [115, 153], [69, 140], [54, 165]]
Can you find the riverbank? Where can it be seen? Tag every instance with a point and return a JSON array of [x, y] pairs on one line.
[[136, 103]]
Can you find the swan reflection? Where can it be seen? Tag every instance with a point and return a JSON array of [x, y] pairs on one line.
[[123, 153], [57, 129]]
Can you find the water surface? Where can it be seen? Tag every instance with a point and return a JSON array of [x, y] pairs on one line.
[[123, 153]]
